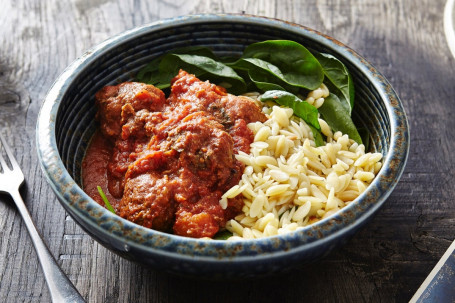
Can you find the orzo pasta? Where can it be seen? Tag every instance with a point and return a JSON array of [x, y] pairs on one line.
[[288, 182]]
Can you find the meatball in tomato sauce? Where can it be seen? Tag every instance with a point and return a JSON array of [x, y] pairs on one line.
[[165, 163]]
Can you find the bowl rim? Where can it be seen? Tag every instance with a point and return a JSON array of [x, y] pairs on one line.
[[80, 205]]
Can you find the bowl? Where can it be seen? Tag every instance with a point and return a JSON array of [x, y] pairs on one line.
[[66, 124], [449, 24]]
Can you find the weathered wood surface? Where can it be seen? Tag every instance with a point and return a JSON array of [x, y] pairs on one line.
[[385, 262]]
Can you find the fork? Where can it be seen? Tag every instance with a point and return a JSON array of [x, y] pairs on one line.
[[60, 287]]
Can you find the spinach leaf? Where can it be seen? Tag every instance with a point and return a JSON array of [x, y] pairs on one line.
[[268, 76], [222, 235], [228, 59], [302, 109], [317, 136], [204, 67], [338, 118], [150, 73], [298, 66], [147, 73], [338, 79], [216, 71], [258, 64], [262, 81]]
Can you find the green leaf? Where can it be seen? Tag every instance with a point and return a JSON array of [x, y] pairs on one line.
[[197, 60], [150, 73], [145, 75], [317, 136], [298, 66], [222, 235], [203, 67], [106, 201], [265, 75], [338, 79], [228, 59], [336, 116], [262, 83], [302, 109]]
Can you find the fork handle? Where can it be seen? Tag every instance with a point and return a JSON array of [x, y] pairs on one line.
[[60, 287]]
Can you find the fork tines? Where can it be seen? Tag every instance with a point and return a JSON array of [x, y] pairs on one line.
[[9, 154]]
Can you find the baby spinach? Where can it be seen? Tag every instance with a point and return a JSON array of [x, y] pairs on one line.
[[301, 108], [338, 79], [267, 74], [338, 118], [297, 64], [222, 235], [203, 67], [150, 73], [262, 81], [317, 136]]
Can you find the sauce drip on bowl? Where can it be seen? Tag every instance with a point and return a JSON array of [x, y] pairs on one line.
[[165, 163]]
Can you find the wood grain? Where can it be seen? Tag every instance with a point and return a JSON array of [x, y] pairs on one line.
[[385, 262]]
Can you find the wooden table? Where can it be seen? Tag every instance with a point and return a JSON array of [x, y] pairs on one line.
[[385, 262]]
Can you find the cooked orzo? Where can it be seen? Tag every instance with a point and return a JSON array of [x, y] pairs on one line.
[[288, 182]]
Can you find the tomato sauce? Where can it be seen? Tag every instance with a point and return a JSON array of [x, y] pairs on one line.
[[165, 163], [94, 169]]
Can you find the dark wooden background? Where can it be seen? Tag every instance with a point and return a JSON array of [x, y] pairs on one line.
[[385, 262]]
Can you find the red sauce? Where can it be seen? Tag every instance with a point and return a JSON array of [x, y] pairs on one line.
[[164, 163], [94, 169]]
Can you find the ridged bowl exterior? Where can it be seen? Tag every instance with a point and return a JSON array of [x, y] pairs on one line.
[[66, 124]]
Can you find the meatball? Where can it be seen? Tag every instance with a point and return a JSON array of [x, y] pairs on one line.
[[202, 95], [147, 200], [111, 99]]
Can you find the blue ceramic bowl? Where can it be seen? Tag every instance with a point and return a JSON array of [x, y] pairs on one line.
[[66, 124]]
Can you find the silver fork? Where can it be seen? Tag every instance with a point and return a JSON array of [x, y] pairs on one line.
[[60, 287]]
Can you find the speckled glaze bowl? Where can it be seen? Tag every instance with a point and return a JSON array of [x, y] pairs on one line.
[[66, 124]]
